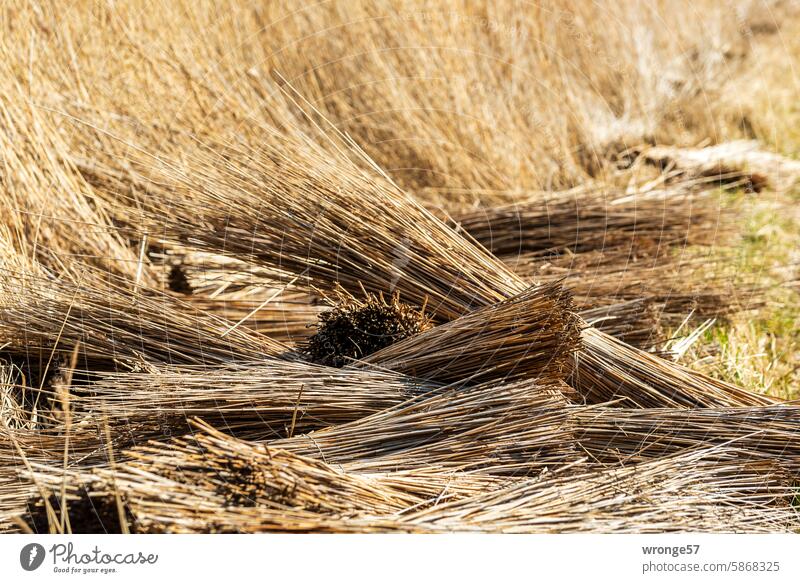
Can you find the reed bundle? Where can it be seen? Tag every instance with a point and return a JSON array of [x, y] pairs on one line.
[[295, 208], [211, 483], [635, 322], [530, 336], [629, 435], [117, 325], [288, 319], [547, 224], [687, 492], [496, 429], [357, 327], [269, 398], [608, 369], [676, 285]]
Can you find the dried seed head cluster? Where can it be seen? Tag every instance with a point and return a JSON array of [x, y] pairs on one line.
[[177, 280], [243, 482], [356, 328]]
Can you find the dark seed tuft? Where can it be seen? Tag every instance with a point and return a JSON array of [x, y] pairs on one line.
[[356, 328], [177, 280]]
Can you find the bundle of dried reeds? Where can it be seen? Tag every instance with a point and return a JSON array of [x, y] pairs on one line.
[[186, 480], [294, 207], [342, 226], [289, 318], [612, 434], [544, 224], [211, 483], [355, 328], [266, 399], [688, 492], [677, 285], [114, 324], [56, 451], [608, 369], [18, 406], [497, 429], [530, 336], [635, 322]]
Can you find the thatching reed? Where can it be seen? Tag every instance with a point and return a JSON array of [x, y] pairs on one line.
[[626, 435], [636, 322], [321, 217], [82, 512], [18, 406], [530, 336], [209, 472], [211, 483], [288, 318], [680, 493], [608, 369], [169, 228], [552, 224], [677, 285], [269, 398], [434, 258], [496, 429], [117, 325], [264, 300]]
